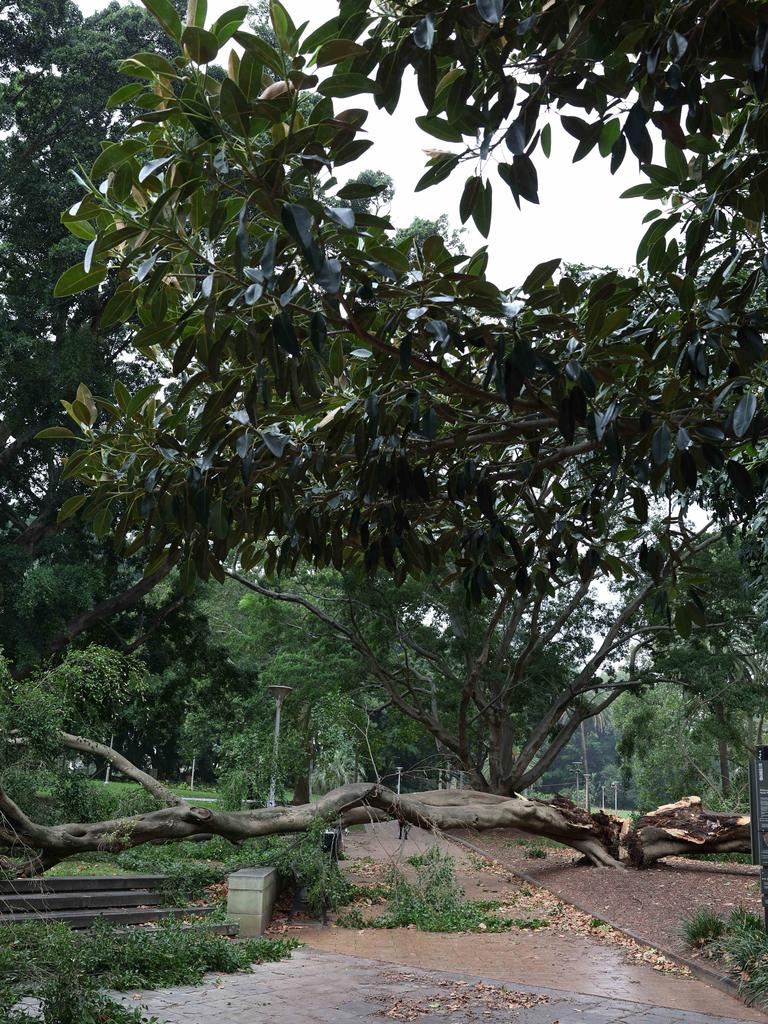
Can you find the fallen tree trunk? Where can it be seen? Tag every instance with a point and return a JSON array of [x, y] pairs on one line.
[[685, 827], [594, 836], [674, 829]]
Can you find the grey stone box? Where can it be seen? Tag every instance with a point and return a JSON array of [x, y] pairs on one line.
[[252, 895]]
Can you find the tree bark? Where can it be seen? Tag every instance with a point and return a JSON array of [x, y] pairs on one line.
[[594, 836], [301, 787], [671, 830], [722, 749], [120, 602], [686, 827], [584, 754]]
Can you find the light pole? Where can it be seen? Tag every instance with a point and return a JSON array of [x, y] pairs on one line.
[[192, 777], [399, 771], [586, 790], [615, 795], [577, 769], [279, 693], [109, 763], [602, 786]]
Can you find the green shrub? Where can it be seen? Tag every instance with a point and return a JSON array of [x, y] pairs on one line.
[[536, 852], [741, 942], [73, 999], [31, 954], [417, 860], [434, 902], [705, 926], [721, 858], [312, 867]]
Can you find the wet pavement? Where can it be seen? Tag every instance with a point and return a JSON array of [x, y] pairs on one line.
[[544, 958], [315, 987]]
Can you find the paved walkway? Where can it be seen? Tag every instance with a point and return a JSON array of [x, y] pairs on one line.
[[519, 977], [548, 957], [325, 988]]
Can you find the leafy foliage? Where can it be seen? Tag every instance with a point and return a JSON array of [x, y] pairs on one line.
[[57, 69], [434, 903], [740, 940], [705, 926], [166, 955], [697, 729], [329, 405]]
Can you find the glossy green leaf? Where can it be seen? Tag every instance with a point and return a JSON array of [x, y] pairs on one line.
[[70, 506], [201, 45], [76, 280], [166, 14]]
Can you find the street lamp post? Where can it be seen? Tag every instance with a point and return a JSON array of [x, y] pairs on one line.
[[399, 777], [279, 693], [615, 795], [108, 772], [586, 790]]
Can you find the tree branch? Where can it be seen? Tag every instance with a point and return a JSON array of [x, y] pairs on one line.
[[123, 765]]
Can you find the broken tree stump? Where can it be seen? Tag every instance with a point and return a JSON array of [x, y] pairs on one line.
[[685, 827]]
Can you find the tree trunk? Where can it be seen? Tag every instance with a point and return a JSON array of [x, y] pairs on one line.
[[722, 749], [674, 829], [594, 836], [584, 756], [301, 780], [683, 828], [501, 757]]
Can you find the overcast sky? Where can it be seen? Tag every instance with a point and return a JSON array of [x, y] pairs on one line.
[[580, 218]]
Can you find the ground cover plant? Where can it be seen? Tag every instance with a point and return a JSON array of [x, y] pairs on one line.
[[69, 998], [739, 942], [67, 970], [433, 902], [195, 870], [169, 954]]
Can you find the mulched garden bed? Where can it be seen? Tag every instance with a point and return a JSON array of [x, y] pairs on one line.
[[651, 903]]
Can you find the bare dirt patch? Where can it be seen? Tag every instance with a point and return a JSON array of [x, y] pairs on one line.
[[651, 903]]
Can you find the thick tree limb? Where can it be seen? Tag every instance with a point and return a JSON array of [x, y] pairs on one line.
[[595, 836], [686, 827], [85, 620], [122, 764]]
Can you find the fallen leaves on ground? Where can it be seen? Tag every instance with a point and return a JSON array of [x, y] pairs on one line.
[[541, 902], [364, 867], [458, 996]]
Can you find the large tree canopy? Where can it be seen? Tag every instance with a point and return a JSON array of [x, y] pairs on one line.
[[327, 402], [323, 391], [57, 69]]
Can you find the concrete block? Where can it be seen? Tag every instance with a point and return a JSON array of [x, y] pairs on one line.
[[251, 898]]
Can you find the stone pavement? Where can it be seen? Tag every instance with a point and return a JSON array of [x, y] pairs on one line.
[[546, 957], [325, 988], [528, 977]]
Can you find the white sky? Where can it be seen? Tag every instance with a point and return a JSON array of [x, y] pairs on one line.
[[580, 217]]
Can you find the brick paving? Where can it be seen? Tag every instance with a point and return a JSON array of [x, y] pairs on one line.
[[374, 976], [326, 988]]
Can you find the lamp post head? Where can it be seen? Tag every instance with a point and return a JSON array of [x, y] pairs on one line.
[[280, 692]]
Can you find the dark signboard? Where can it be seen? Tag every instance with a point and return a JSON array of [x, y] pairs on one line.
[[758, 777], [758, 823]]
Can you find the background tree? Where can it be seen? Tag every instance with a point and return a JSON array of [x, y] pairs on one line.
[[708, 708], [57, 69]]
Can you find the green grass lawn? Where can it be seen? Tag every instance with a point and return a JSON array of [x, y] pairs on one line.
[[89, 868], [180, 788]]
